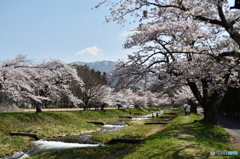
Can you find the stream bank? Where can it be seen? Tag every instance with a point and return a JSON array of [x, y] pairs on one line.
[[115, 145], [181, 138], [59, 143], [48, 124]]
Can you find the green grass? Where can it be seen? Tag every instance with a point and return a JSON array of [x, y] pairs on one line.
[[10, 144], [182, 138], [49, 124], [135, 130], [101, 152]]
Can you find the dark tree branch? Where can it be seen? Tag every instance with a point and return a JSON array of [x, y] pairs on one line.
[[230, 54], [196, 92]]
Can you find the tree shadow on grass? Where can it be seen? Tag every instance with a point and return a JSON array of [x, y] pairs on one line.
[[204, 133], [182, 154]]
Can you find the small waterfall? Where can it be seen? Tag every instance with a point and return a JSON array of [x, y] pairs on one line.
[[59, 143], [17, 155]]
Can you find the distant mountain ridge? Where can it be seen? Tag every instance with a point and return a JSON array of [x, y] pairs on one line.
[[102, 66]]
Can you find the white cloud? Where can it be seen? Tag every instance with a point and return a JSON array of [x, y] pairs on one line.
[[124, 33], [127, 33], [90, 50]]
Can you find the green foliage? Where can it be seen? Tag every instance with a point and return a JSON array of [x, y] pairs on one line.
[[85, 153], [87, 74]]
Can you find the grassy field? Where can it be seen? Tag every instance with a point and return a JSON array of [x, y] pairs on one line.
[[181, 138], [184, 139], [136, 129], [48, 124]]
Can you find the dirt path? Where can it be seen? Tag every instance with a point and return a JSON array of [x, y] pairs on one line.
[[63, 109], [154, 131], [232, 126]]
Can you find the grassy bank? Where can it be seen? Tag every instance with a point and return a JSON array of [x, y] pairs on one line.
[[182, 138], [137, 129], [48, 124]]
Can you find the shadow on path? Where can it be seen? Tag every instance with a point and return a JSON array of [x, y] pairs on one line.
[[230, 125]]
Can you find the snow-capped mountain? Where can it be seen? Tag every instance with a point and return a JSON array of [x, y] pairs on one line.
[[102, 66]]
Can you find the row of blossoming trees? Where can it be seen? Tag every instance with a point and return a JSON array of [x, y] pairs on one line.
[[192, 43], [51, 82], [46, 81]]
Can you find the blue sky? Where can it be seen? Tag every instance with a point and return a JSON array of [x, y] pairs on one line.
[[68, 30]]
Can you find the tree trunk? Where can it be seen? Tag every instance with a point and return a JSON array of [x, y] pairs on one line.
[[118, 105], [211, 107], [86, 104], [103, 106], [38, 108], [210, 113], [209, 102], [193, 106]]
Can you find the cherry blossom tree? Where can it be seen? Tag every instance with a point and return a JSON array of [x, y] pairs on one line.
[[182, 95], [140, 98], [182, 42], [163, 99], [94, 88], [147, 98], [105, 96], [207, 79], [46, 81], [123, 96], [211, 14]]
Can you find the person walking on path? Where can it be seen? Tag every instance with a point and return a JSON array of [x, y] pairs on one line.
[[188, 110], [184, 109]]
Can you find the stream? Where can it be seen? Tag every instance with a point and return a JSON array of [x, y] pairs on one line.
[[79, 141]]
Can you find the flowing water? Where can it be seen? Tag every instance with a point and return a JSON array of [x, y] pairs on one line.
[[58, 143], [149, 115]]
